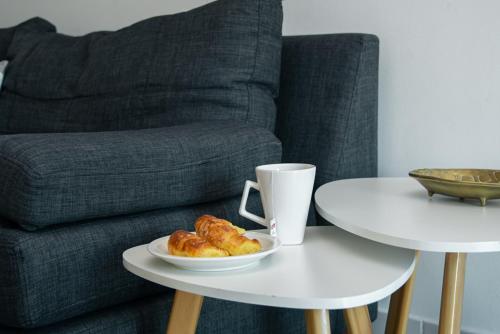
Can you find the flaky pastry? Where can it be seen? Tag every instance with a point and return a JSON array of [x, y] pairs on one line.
[[221, 233], [183, 243]]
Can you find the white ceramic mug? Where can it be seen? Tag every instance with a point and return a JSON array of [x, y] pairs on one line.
[[285, 192]]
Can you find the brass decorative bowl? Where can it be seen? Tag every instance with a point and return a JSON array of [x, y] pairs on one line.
[[483, 184]]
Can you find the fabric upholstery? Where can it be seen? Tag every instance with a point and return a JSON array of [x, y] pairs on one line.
[[32, 25], [328, 104], [150, 316], [69, 278], [64, 271], [217, 62], [59, 178], [91, 283]]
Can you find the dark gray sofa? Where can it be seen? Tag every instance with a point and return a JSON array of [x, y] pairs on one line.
[[77, 189]]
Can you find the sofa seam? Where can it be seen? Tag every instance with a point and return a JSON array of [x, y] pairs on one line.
[[351, 104], [26, 170], [43, 181], [25, 321], [180, 168]]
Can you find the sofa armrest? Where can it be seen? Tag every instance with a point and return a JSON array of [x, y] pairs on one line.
[[57, 178], [328, 104]]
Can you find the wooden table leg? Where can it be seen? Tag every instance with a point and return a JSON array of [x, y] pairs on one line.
[[318, 321], [399, 308], [185, 313], [452, 296], [358, 320]]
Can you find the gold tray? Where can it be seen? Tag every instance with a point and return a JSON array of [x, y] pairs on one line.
[[483, 184]]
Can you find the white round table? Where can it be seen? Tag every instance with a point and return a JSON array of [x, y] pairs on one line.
[[398, 212], [332, 269]]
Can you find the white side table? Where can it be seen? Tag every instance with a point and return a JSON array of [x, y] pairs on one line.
[[333, 269], [398, 212]]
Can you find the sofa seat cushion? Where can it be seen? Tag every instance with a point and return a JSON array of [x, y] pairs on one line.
[[220, 61], [48, 179], [64, 271], [149, 316]]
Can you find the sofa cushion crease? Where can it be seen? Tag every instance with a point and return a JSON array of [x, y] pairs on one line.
[[60, 178]]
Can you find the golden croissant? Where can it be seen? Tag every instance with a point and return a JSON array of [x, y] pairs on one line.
[[183, 243], [221, 233]]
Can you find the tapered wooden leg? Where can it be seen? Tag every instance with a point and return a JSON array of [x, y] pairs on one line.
[[185, 313], [453, 293], [358, 320], [399, 308], [318, 321]]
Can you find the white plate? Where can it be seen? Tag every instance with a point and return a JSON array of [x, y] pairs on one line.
[[269, 245]]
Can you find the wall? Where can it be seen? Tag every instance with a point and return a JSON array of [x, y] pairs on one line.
[[439, 95]]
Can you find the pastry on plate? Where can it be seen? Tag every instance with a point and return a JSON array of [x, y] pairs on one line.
[[183, 243], [221, 233]]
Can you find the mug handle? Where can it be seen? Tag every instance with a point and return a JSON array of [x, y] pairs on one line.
[[244, 198]]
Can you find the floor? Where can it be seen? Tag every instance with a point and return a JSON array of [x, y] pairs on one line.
[[415, 326]]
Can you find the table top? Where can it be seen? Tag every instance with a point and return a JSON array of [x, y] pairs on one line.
[[398, 212], [332, 269]]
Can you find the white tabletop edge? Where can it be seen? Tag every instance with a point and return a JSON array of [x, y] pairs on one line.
[[427, 246], [398, 241], [275, 301]]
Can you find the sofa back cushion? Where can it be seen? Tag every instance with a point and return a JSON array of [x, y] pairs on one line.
[[216, 62], [35, 24]]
